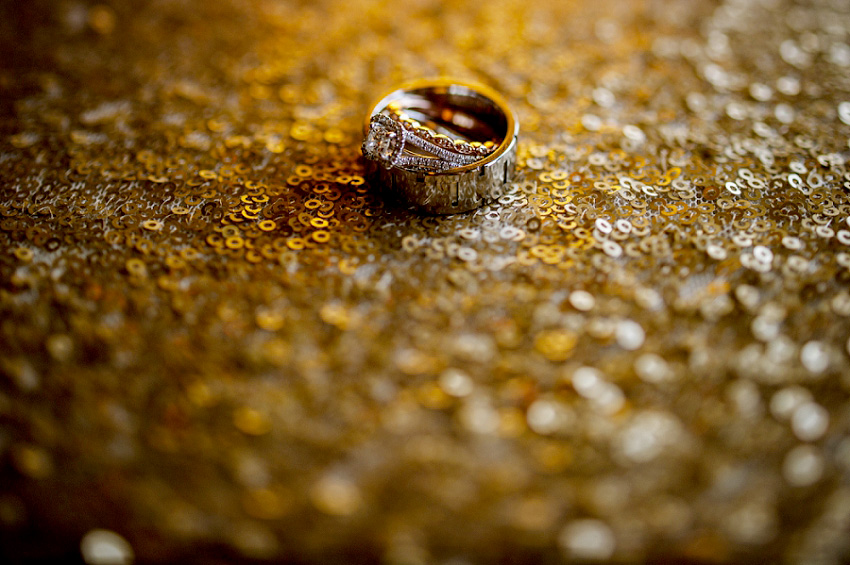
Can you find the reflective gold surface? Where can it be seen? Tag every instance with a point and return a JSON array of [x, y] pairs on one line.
[[219, 344]]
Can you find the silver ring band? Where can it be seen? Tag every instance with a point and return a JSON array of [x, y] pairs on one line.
[[441, 146]]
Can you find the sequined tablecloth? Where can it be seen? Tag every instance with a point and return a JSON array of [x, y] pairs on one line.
[[218, 343]]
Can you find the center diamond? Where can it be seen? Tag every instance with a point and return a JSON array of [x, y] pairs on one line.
[[383, 142]]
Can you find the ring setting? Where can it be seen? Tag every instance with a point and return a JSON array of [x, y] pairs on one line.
[[388, 137], [440, 145]]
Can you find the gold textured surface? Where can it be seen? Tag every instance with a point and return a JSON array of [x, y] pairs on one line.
[[217, 342]]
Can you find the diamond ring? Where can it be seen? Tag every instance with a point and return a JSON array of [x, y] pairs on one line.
[[388, 137], [441, 145]]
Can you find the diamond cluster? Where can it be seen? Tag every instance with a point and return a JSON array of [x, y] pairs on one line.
[[385, 140]]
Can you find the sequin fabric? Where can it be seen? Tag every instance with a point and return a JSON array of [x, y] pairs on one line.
[[218, 344]]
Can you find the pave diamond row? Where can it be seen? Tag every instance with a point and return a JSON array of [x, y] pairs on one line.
[[426, 163], [456, 159]]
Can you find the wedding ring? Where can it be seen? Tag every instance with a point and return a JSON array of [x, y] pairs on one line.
[[440, 145]]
